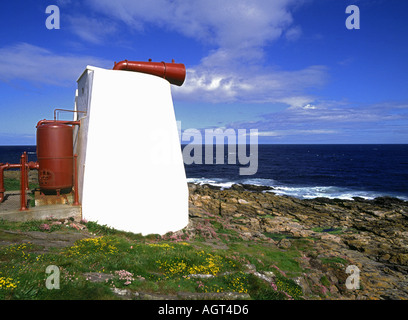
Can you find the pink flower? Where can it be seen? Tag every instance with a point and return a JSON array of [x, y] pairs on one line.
[[323, 288], [283, 273], [45, 227], [125, 275], [289, 296], [274, 286], [73, 225]]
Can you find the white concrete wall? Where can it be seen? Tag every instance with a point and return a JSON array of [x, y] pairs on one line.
[[131, 170]]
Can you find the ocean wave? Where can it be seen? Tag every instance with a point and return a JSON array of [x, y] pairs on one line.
[[218, 182], [326, 192], [300, 192]]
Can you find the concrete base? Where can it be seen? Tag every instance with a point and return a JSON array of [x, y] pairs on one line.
[[58, 211], [46, 200]]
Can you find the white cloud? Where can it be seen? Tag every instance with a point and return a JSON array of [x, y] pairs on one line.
[[39, 65], [250, 84], [236, 33], [232, 70], [94, 30], [327, 117], [293, 33], [297, 101], [342, 112], [227, 23], [309, 107]]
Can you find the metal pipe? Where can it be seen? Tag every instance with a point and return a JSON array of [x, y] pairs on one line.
[[6, 166], [2, 168], [175, 73], [76, 196], [23, 177], [33, 165], [1, 183], [65, 110]]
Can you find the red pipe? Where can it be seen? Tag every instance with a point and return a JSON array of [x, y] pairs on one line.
[[2, 168], [175, 73], [76, 195], [23, 177], [31, 165]]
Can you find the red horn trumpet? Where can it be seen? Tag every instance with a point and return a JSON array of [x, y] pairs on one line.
[[175, 73]]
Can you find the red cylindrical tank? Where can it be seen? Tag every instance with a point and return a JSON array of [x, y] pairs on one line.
[[55, 157]]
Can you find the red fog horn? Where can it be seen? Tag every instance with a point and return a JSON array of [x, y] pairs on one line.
[[175, 73]]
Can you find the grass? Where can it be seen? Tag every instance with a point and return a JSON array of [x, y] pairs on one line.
[[14, 184], [142, 264], [335, 262], [31, 225], [330, 230], [278, 236]]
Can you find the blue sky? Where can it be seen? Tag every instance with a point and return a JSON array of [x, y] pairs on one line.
[[289, 68]]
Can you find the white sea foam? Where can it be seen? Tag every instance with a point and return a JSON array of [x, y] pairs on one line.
[[321, 191], [259, 182], [300, 192], [218, 182]]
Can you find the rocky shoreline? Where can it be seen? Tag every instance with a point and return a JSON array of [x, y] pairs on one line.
[[369, 234], [327, 234]]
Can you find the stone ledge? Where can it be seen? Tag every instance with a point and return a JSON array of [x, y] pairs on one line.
[[43, 213]]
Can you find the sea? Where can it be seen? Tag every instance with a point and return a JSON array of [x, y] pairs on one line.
[[303, 171], [316, 170]]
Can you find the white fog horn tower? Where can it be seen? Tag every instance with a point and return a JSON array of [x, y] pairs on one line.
[[130, 166]]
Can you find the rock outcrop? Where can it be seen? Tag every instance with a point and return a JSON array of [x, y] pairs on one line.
[[369, 234]]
